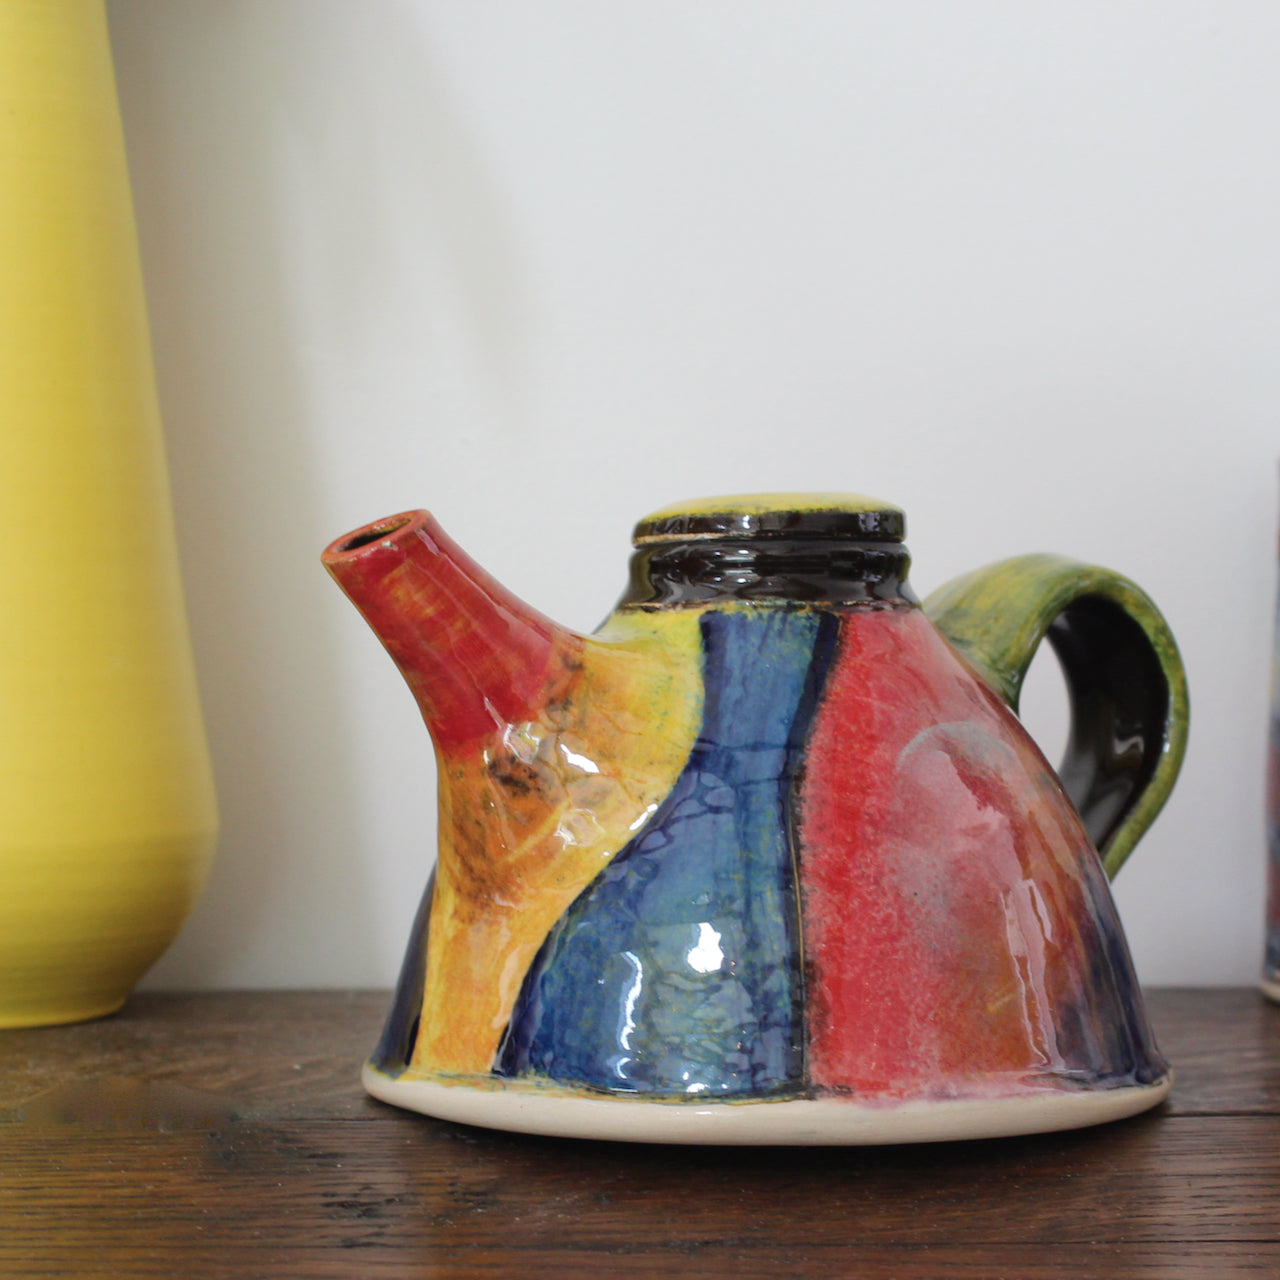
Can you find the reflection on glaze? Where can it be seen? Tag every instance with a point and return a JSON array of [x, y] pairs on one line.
[[738, 850]]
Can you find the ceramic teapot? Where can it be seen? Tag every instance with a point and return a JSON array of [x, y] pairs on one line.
[[769, 857]]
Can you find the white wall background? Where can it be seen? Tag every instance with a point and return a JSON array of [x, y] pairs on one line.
[[543, 267]]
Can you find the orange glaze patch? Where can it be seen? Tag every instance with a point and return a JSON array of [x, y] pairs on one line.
[[532, 814]]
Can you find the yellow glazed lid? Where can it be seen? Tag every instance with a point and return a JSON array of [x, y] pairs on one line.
[[774, 515]]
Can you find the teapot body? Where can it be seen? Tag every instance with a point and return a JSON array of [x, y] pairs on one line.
[[767, 837]]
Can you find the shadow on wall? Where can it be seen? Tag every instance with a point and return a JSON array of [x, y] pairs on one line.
[[283, 156]]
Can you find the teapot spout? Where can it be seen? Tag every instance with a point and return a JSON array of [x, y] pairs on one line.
[[475, 656]]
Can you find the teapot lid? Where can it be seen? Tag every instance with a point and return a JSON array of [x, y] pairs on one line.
[[774, 515]]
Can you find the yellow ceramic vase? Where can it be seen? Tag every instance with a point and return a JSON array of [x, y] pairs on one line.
[[107, 813]]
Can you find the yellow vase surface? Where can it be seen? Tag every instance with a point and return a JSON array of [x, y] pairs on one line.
[[107, 812]]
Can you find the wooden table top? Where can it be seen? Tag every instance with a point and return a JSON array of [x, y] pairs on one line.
[[226, 1134]]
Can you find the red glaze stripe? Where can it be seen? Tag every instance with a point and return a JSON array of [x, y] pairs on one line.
[[954, 908]]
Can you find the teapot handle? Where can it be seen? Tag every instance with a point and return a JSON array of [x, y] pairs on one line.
[[1125, 681]]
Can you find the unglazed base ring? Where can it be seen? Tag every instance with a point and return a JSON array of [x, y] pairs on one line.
[[522, 1108]]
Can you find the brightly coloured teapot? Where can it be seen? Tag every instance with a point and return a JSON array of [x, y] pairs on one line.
[[769, 857]]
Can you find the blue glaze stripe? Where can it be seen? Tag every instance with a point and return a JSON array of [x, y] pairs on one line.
[[678, 970], [395, 1047]]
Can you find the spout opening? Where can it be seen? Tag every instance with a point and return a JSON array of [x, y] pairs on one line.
[[369, 534]]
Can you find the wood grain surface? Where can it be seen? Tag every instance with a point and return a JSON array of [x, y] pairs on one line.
[[226, 1134]]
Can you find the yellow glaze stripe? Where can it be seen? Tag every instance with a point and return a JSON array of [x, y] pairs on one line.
[[755, 504], [529, 821]]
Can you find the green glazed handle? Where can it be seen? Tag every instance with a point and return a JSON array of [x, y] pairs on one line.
[[1125, 681]]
